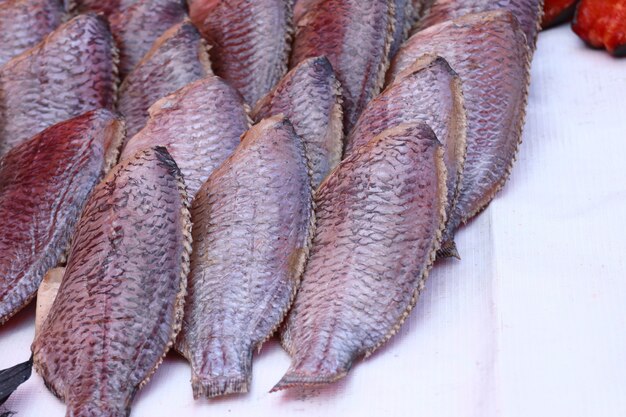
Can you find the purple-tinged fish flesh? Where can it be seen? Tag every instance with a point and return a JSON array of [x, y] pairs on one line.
[[252, 222], [379, 221], [301, 7], [106, 7], [44, 184], [405, 16], [310, 96], [120, 303]]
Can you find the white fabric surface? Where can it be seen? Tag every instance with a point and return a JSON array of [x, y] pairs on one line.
[[530, 323]]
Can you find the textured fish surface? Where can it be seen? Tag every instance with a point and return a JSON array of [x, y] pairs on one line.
[[137, 27], [176, 59], [44, 184], [310, 96], [488, 51], [301, 7], [356, 37], [527, 12], [123, 289], [71, 72], [252, 225], [379, 220], [405, 15], [106, 7], [250, 41], [24, 23], [200, 125], [430, 91]]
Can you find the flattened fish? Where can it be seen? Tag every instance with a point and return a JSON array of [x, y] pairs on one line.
[[123, 289], [527, 12], [24, 23], [310, 96], [106, 7], [176, 59], [71, 72], [200, 125], [488, 51], [252, 225], [250, 41], [44, 184], [428, 91], [356, 37], [137, 27], [405, 15], [379, 220]]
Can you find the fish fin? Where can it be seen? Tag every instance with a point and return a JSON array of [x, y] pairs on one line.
[[13, 377], [293, 378], [448, 250], [220, 385]]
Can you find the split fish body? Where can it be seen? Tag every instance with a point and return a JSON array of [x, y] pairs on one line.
[[310, 96], [488, 51], [123, 289], [71, 72], [252, 224], [44, 184], [176, 59], [200, 125], [379, 221]]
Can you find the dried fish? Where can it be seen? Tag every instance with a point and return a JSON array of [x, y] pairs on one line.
[[301, 7], [106, 7], [405, 16], [46, 293]]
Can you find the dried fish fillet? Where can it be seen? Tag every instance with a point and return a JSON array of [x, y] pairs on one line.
[[106, 7], [405, 15], [310, 96], [301, 7], [252, 225], [200, 125], [71, 72], [488, 51], [137, 27], [44, 184], [250, 41], [356, 37], [429, 91], [176, 59], [46, 293], [123, 289], [379, 221], [24, 23]]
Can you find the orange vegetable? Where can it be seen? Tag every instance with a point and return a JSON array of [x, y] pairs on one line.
[[602, 24]]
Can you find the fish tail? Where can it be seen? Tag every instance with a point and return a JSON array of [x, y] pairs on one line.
[[448, 250], [297, 378], [219, 385]]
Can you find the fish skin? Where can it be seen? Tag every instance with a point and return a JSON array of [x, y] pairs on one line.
[[495, 98], [176, 59], [430, 91], [137, 27], [24, 23], [310, 96], [71, 72], [106, 7], [250, 41], [200, 125], [405, 16], [358, 51], [123, 290], [379, 221], [528, 12], [44, 184], [301, 7], [253, 222]]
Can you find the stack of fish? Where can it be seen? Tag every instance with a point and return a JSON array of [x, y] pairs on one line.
[[194, 177]]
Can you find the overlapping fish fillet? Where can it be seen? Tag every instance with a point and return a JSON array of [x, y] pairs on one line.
[[250, 41], [379, 221], [310, 96], [430, 91], [488, 51], [356, 37], [176, 59], [123, 289], [44, 184], [71, 72], [200, 125], [252, 226]]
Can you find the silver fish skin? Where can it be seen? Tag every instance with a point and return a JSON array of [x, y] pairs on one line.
[[44, 184], [69, 73], [356, 37], [24, 23], [488, 51], [310, 96], [176, 59], [200, 125], [253, 221], [250, 41], [429, 91], [123, 289], [379, 221]]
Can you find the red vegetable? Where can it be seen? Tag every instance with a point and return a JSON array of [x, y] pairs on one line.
[[602, 24], [556, 12]]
